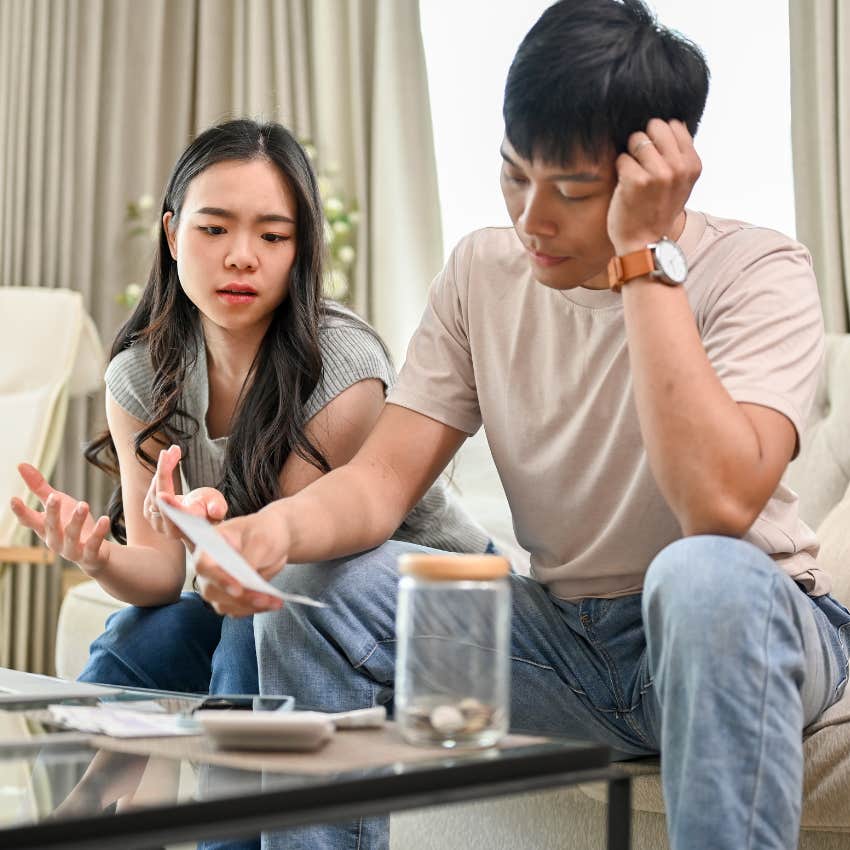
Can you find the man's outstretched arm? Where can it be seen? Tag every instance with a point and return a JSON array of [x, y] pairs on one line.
[[353, 508]]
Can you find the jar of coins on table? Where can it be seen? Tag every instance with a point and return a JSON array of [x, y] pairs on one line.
[[453, 639]]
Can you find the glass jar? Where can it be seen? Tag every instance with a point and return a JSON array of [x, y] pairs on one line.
[[452, 665]]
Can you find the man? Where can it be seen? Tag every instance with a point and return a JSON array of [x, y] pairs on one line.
[[643, 373]]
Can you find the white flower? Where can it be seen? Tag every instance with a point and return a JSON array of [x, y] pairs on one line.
[[145, 202], [336, 284], [329, 233], [334, 207], [341, 228], [354, 218], [132, 293], [346, 255]]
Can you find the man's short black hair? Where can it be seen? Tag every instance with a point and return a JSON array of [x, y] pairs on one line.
[[590, 73]]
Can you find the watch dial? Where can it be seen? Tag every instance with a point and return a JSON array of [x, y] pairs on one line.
[[671, 261]]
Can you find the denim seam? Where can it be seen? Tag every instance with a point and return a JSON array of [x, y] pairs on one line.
[[751, 826], [842, 630], [359, 832], [139, 673], [624, 712], [551, 669], [371, 652], [609, 662]]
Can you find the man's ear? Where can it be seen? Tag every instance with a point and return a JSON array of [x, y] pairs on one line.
[[169, 225]]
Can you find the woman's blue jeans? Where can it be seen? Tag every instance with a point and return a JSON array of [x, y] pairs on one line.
[[719, 664], [181, 647]]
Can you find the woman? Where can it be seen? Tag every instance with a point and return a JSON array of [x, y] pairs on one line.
[[257, 385]]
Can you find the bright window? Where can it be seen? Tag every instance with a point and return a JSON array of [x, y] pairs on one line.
[[744, 140]]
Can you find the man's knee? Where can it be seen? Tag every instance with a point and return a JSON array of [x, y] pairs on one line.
[[708, 575], [363, 586], [362, 573]]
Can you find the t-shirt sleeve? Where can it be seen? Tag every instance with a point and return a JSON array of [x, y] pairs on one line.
[[438, 376], [349, 354], [763, 332], [129, 377]]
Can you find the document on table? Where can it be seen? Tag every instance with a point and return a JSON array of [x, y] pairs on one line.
[[121, 722], [206, 539]]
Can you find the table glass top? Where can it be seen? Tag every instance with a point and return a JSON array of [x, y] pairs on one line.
[[50, 776]]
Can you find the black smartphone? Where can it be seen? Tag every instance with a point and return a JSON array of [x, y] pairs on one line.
[[245, 702]]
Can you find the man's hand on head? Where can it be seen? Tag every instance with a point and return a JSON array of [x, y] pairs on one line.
[[654, 180]]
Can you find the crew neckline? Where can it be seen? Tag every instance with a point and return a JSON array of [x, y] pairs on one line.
[[602, 299]]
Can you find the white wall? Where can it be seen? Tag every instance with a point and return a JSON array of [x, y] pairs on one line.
[[744, 140]]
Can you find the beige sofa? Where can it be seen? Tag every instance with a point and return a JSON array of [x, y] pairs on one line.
[[575, 818]]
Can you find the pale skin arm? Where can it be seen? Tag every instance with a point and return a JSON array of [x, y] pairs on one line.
[[716, 461], [150, 570], [339, 430], [355, 507]]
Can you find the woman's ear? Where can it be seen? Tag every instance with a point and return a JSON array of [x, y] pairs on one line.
[[169, 224]]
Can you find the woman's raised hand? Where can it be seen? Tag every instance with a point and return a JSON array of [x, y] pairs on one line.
[[65, 525], [206, 502]]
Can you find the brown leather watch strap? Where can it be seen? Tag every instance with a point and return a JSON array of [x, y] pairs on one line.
[[623, 269]]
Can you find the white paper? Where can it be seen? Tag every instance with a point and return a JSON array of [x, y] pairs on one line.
[[121, 723], [206, 539]]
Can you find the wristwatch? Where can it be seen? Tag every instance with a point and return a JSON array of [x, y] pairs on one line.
[[662, 260]]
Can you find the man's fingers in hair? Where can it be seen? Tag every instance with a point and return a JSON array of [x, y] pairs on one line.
[[663, 140], [630, 172], [686, 146]]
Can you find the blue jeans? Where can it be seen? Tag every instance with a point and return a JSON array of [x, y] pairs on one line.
[[181, 647], [719, 664]]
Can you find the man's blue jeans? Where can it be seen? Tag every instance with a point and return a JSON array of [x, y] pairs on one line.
[[719, 664]]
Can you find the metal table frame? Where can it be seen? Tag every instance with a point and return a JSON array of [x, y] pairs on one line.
[[339, 800]]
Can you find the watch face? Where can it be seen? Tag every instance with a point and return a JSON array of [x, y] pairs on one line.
[[671, 261]]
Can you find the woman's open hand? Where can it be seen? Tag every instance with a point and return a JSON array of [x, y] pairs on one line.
[[65, 525], [206, 502]]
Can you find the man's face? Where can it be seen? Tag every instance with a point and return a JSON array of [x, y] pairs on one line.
[[560, 215]]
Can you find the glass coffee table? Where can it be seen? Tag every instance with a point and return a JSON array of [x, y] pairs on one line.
[[72, 790]]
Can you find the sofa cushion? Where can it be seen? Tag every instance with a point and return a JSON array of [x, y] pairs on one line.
[[826, 781], [81, 619], [834, 555], [821, 473]]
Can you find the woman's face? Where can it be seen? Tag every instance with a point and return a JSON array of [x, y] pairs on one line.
[[234, 243]]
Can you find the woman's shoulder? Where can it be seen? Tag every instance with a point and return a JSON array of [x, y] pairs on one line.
[[351, 352], [129, 377], [346, 338]]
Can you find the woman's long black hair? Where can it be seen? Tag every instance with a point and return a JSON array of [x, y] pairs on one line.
[[269, 420]]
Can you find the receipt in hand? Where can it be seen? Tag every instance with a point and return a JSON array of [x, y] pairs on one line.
[[206, 539]]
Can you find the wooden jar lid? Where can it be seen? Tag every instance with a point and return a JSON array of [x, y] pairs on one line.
[[453, 567]]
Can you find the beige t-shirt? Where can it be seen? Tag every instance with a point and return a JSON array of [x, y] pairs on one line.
[[547, 374]]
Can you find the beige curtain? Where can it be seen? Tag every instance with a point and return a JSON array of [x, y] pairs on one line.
[[820, 122], [98, 97]]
